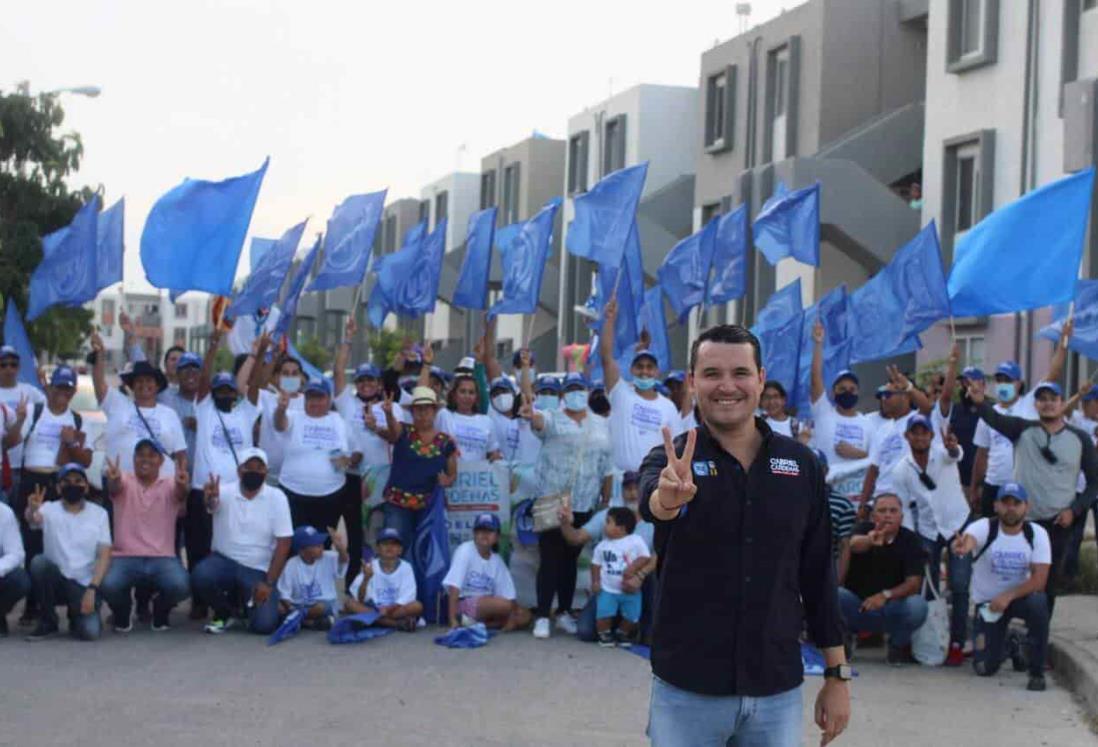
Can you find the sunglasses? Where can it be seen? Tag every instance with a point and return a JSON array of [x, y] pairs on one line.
[[1046, 450]]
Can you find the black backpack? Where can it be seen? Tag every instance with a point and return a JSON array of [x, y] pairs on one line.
[[993, 532]]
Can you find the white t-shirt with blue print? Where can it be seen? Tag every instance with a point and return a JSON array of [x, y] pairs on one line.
[[479, 577]]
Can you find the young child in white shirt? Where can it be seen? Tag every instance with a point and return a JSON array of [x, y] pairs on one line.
[[614, 566], [480, 586], [386, 585], [309, 578]]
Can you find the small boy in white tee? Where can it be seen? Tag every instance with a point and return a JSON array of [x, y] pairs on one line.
[[386, 585], [309, 578], [614, 566]]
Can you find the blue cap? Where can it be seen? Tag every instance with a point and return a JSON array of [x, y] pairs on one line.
[[1014, 490], [575, 379], [71, 467], [143, 442], [523, 520], [317, 386], [308, 536], [919, 420], [662, 389], [546, 383], [187, 360], [630, 478], [1051, 386], [486, 521], [972, 373], [63, 376], [675, 376], [441, 374], [597, 385], [502, 382], [1091, 394], [367, 371], [389, 534], [643, 354], [846, 373], [413, 356], [1010, 369], [223, 380], [7, 351]]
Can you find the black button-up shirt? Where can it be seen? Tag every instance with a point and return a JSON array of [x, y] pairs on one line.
[[740, 568]]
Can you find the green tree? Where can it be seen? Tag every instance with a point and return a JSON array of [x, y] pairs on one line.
[[35, 159], [313, 351], [384, 345]]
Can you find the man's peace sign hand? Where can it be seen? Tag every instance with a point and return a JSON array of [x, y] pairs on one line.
[[676, 486]]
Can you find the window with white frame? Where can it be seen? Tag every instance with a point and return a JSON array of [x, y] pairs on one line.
[[967, 182], [180, 311], [972, 35], [720, 99], [613, 156], [510, 206], [972, 350]]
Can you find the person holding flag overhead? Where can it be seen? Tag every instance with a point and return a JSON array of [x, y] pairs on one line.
[[286, 376]]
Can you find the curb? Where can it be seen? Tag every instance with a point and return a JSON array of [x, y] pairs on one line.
[[1077, 670]]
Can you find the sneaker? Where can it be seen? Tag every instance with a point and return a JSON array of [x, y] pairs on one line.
[[1036, 683], [567, 623], [956, 656], [41, 632], [219, 625], [606, 640], [466, 621], [541, 627], [623, 640], [160, 623], [124, 626]]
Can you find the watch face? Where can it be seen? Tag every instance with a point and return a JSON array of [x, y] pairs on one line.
[[845, 672]]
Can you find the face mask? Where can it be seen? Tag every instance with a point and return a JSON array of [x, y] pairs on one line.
[[846, 400], [252, 480], [503, 402], [547, 402], [599, 404], [1005, 391], [224, 404], [575, 401], [289, 384], [644, 383], [72, 493]]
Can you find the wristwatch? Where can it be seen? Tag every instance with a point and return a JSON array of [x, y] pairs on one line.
[[92, 587], [887, 593], [843, 672]]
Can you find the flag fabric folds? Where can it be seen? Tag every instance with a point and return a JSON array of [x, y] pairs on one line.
[[349, 241], [523, 261], [259, 248], [471, 291], [393, 270], [194, 233], [604, 216], [1025, 254], [778, 327], [832, 310], [109, 245], [782, 305], [66, 276], [789, 225], [684, 272], [297, 285], [15, 334], [431, 555], [261, 288], [1084, 336], [729, 281], [653, 320], [420, 289]]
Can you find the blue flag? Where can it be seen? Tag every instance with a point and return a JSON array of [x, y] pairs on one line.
[[524, 262], [393, 271], [471, 291], [906, 297], [420, 289], [259, 249], [1084, 336], [349, 241], [629, 292], [1025, 254], [684, 272], [789, 225], [781, 350], [15, 334], [604, 216], [431, 555], [194, 233], [833, 312], [507, 234], [783, 305], [262, 286], [289, 303], [66, 276], [109, 245], [729, 281], [653, 320]]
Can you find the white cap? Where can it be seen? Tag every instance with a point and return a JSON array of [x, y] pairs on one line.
[[468, 362], [253, 453]]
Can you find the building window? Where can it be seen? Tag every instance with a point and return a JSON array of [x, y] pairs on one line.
[[1090, 4], [972, 350], [442, 202], [720, 100], [578, 148], [965, 204], [106, 314], [487, 189], [180, 311], [179, 337], [780, 136], [613, 154], [709, 211], [967, 182], [390, 233], [334, 322], [425, 212], [510, 194], [972, 39]]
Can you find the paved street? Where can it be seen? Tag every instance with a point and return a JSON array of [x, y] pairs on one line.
[[188, 688]]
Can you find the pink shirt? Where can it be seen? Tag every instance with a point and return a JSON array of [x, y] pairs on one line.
[[144, 518]]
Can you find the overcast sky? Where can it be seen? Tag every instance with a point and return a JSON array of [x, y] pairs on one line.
[[345, 97]]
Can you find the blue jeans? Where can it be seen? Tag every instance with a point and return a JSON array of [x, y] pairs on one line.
[[405, 521], [163, 575], [960, 574], [679, 717], [987, 650], [13, 587], [899, 617], [222, 584], [51, 589]]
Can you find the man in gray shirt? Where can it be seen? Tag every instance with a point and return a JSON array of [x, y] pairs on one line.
[[1048, 457]]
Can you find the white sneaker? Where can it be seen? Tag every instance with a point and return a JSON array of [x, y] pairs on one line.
[[541, 627], [466, 621], [566, 623]]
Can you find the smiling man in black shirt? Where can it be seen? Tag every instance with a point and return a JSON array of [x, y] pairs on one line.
[[744, 541]]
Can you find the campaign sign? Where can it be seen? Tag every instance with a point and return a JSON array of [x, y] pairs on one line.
[[480, 487]]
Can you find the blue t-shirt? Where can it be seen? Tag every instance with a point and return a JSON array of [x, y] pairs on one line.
[[595, 525], [416, 465]]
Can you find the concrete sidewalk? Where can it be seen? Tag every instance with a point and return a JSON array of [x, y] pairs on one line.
[[1073, 648]]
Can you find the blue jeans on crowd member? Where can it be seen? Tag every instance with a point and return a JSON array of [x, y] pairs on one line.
[[405, 521], [899, 618], [1075, 546], [988, 638], [13, 587], [222, 584], [585, 626], [163, 575], [960, 575], [680, 718], [51, 588]]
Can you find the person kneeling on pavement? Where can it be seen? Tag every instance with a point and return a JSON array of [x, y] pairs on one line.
[[480, 586], [251, 542], [14, 581], [76, 540], [881, 591], [387, 585], [309, 579], [1009, 573], [616, 576], [146, 507]]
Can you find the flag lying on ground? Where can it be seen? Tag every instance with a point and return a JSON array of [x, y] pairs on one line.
[[789, 225], [604, 216], [684, 272], [349, 240], [261, 288], [66, 276], [1084, 336], [1026, 254], [15, 334], [471, 291], [523, 261], [472, 636], [110, 245], [194, 233], [357, 628], [729, 280]]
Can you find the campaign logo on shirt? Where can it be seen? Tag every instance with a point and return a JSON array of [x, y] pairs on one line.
[[308, 592], [646, 418], [217, 438], [318, 435], [785, 467], [477, 581], [1010, 564], [135, 424], [703, 468], [852, 434]]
